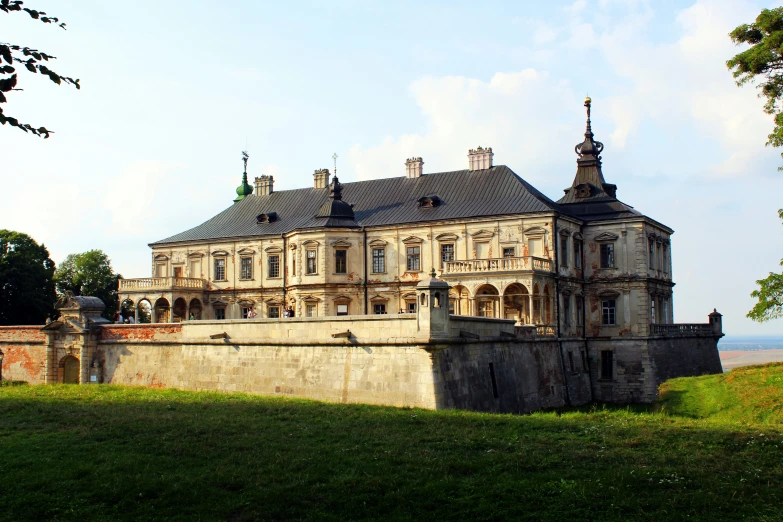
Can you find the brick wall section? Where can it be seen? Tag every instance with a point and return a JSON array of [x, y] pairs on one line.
[[141, 332], [24, 353]]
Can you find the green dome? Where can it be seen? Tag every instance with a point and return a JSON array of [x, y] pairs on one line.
[[244, 189]]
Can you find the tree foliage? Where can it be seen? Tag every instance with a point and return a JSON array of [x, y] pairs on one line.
[[13, 56], [26, 286], [769, 295], [89, 274]]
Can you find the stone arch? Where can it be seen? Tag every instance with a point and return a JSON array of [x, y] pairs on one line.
[[179, 310], [194, 309], [144, 311], [127, 309], [487, 301], [459, 300], [162, 310], [69, 370], [516, 303]]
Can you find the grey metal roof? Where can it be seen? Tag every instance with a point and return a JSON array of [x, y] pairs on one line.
[[391, 201]]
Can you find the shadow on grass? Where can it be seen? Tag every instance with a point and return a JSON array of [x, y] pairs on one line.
[[114, 453]]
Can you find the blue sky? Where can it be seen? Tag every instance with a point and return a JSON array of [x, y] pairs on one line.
[[173, 92]]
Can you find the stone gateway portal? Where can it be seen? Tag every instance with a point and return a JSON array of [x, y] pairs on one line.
[[71, 370]]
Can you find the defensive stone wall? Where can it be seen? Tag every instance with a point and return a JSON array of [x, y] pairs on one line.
[[24, 353], [429, 359]]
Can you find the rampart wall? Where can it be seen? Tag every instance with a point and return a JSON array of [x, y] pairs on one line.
[[400, 360]]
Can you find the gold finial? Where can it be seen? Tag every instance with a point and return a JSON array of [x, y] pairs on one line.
[[588, 101], [334, 157]]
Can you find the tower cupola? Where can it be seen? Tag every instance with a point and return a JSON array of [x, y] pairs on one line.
[[589, 183], [244, 189]]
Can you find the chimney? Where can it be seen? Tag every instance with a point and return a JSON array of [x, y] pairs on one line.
[[413, 167], [480, 158], [264, 185], [321, 178]]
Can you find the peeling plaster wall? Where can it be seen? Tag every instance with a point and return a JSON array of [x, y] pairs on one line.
[[24, 353]]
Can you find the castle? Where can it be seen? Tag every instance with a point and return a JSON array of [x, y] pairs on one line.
[[469, 263]]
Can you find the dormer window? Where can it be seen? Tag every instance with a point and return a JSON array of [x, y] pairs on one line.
[[429, 202], [270, 217]]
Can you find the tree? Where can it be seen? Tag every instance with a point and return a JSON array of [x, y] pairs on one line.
[[89, 274], [769, 295], [763, 61], [26, 285], [32, 60]]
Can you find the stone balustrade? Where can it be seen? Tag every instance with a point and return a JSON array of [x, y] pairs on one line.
[[162, 283], [503, 264], [683, 330]]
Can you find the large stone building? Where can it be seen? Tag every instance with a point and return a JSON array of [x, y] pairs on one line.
[[586, 265], [467, 289]]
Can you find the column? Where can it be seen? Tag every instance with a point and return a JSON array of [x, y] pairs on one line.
[[501, 314]]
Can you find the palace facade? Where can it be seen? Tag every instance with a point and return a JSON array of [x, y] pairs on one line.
[[587, 265]]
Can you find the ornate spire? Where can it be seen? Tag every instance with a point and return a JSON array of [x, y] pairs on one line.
[[244, 189], [589, 183], [589, 150], [336, 189]]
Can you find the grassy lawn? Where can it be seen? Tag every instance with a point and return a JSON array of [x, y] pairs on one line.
[[711, 450]]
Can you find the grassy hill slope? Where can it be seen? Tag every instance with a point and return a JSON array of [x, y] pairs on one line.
[[752, 395], [115, 453]]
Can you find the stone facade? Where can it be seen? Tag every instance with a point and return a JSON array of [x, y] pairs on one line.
[[429, 359], [540, 303]]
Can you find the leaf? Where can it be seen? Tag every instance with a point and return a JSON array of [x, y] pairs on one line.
[[30, 67], [7, 69], [5, 52]]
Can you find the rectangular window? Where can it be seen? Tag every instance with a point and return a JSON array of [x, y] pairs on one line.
[[245, 312], [310, 310], [414, 259], [273, 312], [608, 312], [340, 264], [195, 268], [246, 268], [311, 259], [379, 308], [446, 254], [563, 251], [607, 364], [652, 310], [535, 247], [160, 270], [342, 309], [482, 250], [220, 269], [220, 313], [580, 308], [651, 249], [577, 253], [274, 266], [378, 260], [486, 308], [410, 307], [566, 310], [509, 252], [607, 255], [177, 271]]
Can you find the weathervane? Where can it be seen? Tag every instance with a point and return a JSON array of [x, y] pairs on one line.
[[245, 157]]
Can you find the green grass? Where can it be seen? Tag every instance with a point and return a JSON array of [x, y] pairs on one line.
[[710, 451]]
